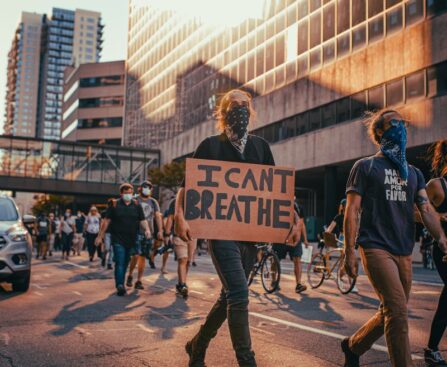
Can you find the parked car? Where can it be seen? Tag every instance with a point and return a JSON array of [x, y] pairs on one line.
[[15, 246]]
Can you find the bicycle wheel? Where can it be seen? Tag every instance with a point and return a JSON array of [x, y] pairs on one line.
[[270, 273], [316, 271], [345, 283]]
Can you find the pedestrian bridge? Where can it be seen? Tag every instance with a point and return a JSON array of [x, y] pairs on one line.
[[69, 168]]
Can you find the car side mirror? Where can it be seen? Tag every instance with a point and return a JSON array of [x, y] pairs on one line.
[[29, 219]]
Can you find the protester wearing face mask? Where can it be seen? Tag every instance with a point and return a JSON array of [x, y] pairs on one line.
[[233, 260], [125, 217], [143, 246], [384, 189], [91, 229], [67, 232]]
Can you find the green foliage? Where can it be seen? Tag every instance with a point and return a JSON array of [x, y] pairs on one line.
[[168, 176], [50, 203]]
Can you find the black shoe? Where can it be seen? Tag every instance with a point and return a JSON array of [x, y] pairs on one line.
[[196, 358], [433, 358], [50, 254], [138, 285], [91, 258], [103, 262], [194, 263], [151, 264], [44, 258], [109, 266], [120, 290], [129, 281], [184, 290], [300, 288], [351, 359]]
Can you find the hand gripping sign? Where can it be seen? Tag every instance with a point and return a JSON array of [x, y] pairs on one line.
[[238, 201]]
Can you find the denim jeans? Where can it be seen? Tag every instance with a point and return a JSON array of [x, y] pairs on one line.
[[121, 256], [233, 262]]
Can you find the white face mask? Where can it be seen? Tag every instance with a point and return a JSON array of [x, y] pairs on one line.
[[146, 191], [127, 197]]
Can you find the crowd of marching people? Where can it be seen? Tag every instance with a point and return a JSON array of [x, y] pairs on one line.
[[385, 197]]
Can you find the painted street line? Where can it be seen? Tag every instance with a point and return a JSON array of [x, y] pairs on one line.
[[76, 265], [428, 283], [82, 331], [330, 334], [78, 293], [261, 331], [39, 286], [146, 329], [193, 291], [38, 294], [434, 293]]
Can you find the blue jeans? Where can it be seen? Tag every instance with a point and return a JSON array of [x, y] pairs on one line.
[[233, 262], [121, 255]]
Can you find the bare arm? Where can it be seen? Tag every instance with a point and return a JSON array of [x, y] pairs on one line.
[[169, 223], [159, 220], [331, 227], [104, 225], [351, 227], [144, 225], [304, 232], [181, 226], [431, 219]]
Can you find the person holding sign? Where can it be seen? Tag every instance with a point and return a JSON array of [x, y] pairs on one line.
[[233, 260]]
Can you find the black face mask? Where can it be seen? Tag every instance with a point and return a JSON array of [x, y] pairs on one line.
[[237, 119]]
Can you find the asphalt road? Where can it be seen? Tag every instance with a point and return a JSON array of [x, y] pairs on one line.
[[72, 317]]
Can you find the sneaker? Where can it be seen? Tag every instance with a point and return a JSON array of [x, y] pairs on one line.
[[300, 288], [433, 358], [109, 267], [129, 281], [194, 263], [120, 290], [196, 358], [138, 285], [351, 359], [184, 290], [151, 264], [51, 254]]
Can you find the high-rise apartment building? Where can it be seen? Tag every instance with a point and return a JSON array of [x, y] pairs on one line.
[[23, 77], [314, 67], [66, 38]]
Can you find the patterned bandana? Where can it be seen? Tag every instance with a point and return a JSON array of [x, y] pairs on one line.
[[237, 126], [393, 144]]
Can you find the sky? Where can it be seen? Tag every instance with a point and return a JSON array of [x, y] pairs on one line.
[[114, 17]]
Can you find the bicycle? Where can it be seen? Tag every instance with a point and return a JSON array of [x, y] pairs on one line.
[[322, 266], [269, 267]]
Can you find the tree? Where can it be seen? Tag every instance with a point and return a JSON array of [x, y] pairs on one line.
[[50, 203], [169, 176]]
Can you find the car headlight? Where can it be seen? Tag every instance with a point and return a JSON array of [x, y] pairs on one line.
[[17, 236]]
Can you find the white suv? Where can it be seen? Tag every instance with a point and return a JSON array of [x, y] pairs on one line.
[[15, 246]]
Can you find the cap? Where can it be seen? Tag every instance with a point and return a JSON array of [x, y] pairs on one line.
[[146, 183]]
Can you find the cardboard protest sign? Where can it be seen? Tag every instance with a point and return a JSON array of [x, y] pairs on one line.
[[238, 201]]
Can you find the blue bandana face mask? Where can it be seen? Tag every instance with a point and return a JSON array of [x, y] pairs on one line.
[[393, 145]]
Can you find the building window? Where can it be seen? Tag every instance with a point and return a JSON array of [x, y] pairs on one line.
[[390, 3], [415, 86], [358, 11], [100, 102], [291, 16], [328, 115], [358, 105], [329, 52], [260, 62], [437, 80], [343, 15], [376, 29], [291, 71], [343, 110], [328, 22], [315, 29], [374, 7], [343, 45], [269, 56], [251, 67], [395, 92], [279, 77], [314, 5], [359, 37], [269, 82], [302, 37], [414, 11], [376, 98], [280, 50], [394, 20], [289, 128], [436, 6], [303, 9], [303, 66], [315, 119], [315, 58]]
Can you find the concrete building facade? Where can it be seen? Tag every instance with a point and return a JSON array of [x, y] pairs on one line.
[[43, 46], [93, 103], [314, 68]]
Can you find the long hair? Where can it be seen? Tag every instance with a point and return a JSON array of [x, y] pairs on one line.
[[235, 95], [438, 157]]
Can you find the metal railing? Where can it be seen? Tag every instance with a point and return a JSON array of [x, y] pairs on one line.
[[70, 161]]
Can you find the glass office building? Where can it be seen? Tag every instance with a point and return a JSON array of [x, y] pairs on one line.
[[313, 66]]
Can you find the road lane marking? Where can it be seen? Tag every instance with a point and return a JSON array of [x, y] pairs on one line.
[[418, 282], [434, 293], [38, 294], [330, 334], [82, 331], [78, 293], [6, 338], [262, 331], [146, 329], [197, 292], [39, 286], [76, 265]]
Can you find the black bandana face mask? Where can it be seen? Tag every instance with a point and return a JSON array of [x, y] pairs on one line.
[[237, 119]]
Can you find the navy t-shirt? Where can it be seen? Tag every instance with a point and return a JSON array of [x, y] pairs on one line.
[[387, 218]]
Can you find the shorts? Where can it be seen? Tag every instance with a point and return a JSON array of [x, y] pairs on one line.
[[142, 246], [293, 251], [184, 249], [41, 238]]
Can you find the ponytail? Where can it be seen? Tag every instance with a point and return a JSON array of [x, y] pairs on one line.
[[438, 156]]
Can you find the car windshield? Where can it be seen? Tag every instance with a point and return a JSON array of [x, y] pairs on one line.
[[8, 211]]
